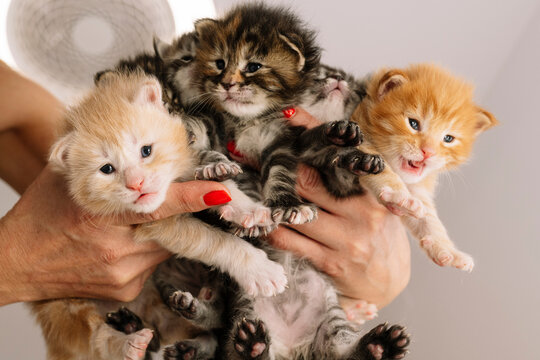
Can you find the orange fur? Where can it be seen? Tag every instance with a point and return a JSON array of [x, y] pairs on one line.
[[441, 105]]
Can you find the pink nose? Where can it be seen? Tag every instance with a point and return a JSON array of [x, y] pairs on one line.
[[135, 184], [428, 153]]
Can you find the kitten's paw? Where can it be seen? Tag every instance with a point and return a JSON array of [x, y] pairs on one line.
[[219, 171], [136, 344], [260, 275], [384, 342], [360, 163], [124, 320], [185, 350], [250, 339], [255, 215], [446, 255], [344, 133], [254, 231], [184, 303], [361, 312], [401, 203], [295, 214]]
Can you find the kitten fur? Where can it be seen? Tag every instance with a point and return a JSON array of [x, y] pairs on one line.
[[113, 128]]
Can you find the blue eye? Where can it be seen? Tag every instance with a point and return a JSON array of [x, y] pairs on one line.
[[252, 67], [107, 169], [448, 138], [414, 124], [220, 64], [146, 151]]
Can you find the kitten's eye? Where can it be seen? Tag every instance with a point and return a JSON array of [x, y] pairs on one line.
[[448, 138], [146, 151], [414, 124], [220, 64], [186, 58], [252, 67], [107, 169]]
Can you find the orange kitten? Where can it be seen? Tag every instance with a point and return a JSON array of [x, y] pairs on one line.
[[423, 121], [120, 150]]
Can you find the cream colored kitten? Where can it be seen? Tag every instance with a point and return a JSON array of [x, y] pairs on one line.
[[119, 151]]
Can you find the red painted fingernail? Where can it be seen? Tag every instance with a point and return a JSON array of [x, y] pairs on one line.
[[217, 197], [289, 113]]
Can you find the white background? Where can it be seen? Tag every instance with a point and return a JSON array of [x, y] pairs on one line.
[[491, 206]]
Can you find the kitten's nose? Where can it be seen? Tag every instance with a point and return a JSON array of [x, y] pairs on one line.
[[227, 86], [428, 152], [135, 184]]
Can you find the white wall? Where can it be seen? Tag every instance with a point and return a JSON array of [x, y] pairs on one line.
[[491, 207]]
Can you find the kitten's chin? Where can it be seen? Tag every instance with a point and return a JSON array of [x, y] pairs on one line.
[[410, 171], [148, 202], [243, 110]]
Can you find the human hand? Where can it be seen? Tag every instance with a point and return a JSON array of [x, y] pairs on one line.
[[357, 241], [51, 248]]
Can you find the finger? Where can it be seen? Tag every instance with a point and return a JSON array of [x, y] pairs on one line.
[[132, 289], [287, 239], [300, 117], [190, 196], [323, 230]]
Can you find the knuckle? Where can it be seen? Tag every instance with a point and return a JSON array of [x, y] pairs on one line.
[[333, 268], [358, 250], [109, 256]]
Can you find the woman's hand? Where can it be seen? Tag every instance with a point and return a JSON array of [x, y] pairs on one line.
[[50, 248]]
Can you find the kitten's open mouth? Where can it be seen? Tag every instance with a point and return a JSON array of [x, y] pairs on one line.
[[144, 197], [413, 167]]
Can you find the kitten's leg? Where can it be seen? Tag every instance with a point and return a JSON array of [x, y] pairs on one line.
[[140, 338], [279, 181], [193, 239], [254, 219], [390, 190], [216, 166], [434, 239], [202, 347]]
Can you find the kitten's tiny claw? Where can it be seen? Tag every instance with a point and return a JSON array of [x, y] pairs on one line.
[[384, 342], [344, 133], [295, 214], [218, 171]]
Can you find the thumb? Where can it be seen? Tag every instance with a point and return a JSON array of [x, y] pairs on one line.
[[300, 117], [189, 196]]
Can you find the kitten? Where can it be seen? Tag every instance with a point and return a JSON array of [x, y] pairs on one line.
[[119, 152], [423, 121]]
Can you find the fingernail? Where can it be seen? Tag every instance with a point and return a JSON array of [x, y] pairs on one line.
[[217, 197], [289, 113]]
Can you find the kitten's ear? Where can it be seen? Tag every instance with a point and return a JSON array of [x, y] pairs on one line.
[[59, 151], [202, 24], [160, 47], [301, 57], [104, 77], [149, 93], [484, 120], [390, 80]]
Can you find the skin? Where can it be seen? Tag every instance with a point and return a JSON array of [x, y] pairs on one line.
[[49, 247], [356, 241]]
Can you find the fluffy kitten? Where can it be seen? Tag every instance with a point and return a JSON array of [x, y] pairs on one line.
[[119, 152]]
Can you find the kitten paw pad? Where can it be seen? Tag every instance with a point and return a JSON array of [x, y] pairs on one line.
[[401, 203], [124, 320], [184, 303], [136, 344], [344, 133], [219, 171], [360, 163], [250, 339], [261, 276], [182, 350], [384, 342], [361, 312], [294, 215]]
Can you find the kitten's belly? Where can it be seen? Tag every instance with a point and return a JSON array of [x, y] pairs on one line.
[[293, 316]]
